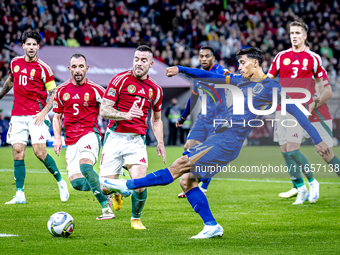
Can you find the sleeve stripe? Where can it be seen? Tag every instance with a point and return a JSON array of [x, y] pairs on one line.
[[48, 68], [96, 85], [158, 97], [119, 77], [122, 84]]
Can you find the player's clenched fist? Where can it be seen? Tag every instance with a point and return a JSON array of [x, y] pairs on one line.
[[134, 112], [172, 71]]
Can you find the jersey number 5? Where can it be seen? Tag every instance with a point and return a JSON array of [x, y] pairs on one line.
[[75, 107], [295, 72]]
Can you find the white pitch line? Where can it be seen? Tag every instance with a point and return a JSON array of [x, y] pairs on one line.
[[7, 235], [64, 171]]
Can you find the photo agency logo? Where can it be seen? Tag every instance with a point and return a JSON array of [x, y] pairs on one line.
[[238, 107]]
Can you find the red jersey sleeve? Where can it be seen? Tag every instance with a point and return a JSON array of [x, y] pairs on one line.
[[157, 103], [57, 103], [319, 71], [275, 67], [113, 89]]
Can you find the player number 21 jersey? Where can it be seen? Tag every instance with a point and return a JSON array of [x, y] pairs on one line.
[[124, 90]]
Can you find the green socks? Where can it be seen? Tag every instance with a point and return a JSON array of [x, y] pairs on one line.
[[138, 201], [19, 174], [294, 170], [52, 167], [93, 180], [81, 184], [334, 163], [302, 161]]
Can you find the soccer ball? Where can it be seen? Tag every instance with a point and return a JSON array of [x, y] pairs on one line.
[[60, 224]]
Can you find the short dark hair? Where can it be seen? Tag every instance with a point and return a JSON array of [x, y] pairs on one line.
[[207, 47], [144, 48], [30, 34], [299, 24], [252, 52], [78, 55]]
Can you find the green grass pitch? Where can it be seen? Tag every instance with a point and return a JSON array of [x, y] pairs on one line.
[[254, 219]]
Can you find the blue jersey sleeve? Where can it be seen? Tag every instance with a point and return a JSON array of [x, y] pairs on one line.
[[191, 104], [208, 76]]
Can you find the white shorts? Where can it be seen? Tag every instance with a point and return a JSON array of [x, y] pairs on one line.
[[324, 129], [89, 143], [21, 127], [285, 129], [119, 147]]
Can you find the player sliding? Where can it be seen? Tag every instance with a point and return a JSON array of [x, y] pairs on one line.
[[126, 103], [78, 99], [225, 144], [31, 78], [216, 108]]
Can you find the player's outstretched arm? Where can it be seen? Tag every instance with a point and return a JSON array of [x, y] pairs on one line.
[[57, 126], [325, 95], [190, 105], [204, 75], [108, 112], [157, 128], [320, 146], [40, 117], [7, 87]]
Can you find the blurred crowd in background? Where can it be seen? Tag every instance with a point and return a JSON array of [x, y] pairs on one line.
[[175, 29]]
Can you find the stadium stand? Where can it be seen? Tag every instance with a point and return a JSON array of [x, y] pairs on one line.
[[175, 29]]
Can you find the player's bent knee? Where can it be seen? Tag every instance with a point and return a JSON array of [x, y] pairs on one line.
[[81, 184], [87, 157]]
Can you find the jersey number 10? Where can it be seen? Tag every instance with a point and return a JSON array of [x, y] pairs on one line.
[[23, 80]]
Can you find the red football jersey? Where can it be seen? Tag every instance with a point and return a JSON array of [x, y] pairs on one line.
[[296, 69], [321, 112], [125, 89], [32, 80], [80, 105]]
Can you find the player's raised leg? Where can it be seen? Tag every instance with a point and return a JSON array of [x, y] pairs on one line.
[[41, 153], [19, 173]]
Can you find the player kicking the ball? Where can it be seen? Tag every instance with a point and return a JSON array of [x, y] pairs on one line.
[[79, 100], [31, 78], [225, 144], [126, 102]]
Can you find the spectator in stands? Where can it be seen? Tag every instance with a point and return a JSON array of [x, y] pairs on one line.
[[173, 113]]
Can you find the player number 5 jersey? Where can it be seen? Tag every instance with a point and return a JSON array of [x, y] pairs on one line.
[[80, 105]]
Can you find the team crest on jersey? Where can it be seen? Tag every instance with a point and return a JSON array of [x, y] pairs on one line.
[[86, 97], [32, 72], [16, 69], [258, 88], [305, 64], [131, 88], [66, 96], [150, 93], [112, 92], [286, 61]]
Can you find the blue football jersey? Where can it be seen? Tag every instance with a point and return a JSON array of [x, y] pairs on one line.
[[216, 97]]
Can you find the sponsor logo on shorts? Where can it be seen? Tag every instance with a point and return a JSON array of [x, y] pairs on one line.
[[87, 147], [150, 93], [112, 92], [41, 137], [16, 69], [66, 96], [131, 88], [143, 160], [87, 97], [32, 72], [295, 135]]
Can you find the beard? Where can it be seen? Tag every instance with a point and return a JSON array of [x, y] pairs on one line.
[[28, 54], [140, 75], [78, 77]]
